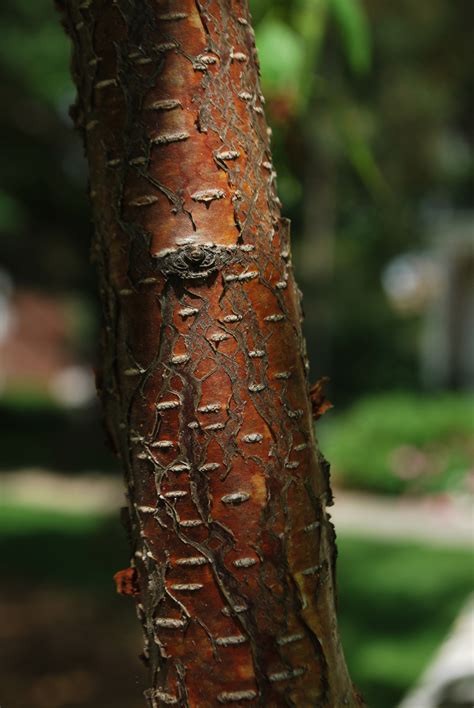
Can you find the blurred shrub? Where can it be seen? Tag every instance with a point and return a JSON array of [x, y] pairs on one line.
[[401, 442]]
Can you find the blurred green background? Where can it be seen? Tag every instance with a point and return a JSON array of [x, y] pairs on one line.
[[371, 105]]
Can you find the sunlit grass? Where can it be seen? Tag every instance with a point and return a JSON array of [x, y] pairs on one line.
[[23, 519], [397, 601]]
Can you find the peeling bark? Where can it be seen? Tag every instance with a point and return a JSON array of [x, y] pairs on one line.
[[204, 382]]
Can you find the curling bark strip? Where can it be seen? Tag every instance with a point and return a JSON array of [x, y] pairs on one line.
[[204, 382]]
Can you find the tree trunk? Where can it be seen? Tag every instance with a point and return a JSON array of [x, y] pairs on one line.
[[204, 381]]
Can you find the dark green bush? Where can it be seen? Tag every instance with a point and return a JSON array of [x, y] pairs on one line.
[[402, 442]]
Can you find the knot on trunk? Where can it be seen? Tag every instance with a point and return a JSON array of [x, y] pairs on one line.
[[195, 261]]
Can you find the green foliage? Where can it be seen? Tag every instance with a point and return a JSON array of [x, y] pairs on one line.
[[373, 149], [34, 51], [281, 54], [43, 212], [12, 216], [352, 20], [402, 443], [290, 39]]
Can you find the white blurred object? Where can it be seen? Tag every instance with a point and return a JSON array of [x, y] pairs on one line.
[[411, 281], [447, 345], [438, 284], [449, 680], [73, 386]]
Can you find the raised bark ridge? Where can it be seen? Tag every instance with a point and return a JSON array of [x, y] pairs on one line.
[[205, 374]]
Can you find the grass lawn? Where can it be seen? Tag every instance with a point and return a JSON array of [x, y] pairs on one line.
[[396, 603], [396, 600]]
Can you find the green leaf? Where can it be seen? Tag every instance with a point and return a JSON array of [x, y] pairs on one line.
[[281, 54], [354, 27]]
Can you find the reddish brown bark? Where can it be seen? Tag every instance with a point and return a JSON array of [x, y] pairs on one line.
[[205, 374]]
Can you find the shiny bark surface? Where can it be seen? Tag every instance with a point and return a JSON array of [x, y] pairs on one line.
[[204, 380]]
